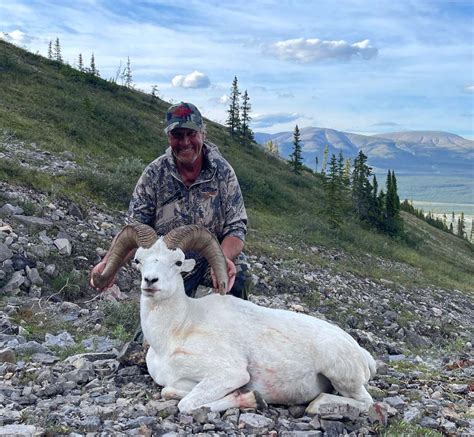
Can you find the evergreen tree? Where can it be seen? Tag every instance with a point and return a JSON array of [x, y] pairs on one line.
[[245, 131], [154, 94], [50, 50], [325, 159], [333, 192], [57, 51], [233, 119], [296, 160], [316, 164], [461, 226], [127, 79], [392, 223], [361, 187], [93, 70], [80, 63]]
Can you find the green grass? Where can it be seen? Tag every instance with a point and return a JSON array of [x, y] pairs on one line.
[[114, 132], [404, 429]]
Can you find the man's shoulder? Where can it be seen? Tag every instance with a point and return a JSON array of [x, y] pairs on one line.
[[215, 157]]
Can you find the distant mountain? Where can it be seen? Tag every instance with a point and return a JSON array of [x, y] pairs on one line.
[[417, 152]]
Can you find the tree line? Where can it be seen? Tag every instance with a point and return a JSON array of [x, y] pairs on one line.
[[238, 115]]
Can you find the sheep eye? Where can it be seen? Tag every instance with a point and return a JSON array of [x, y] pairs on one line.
[[137, 261], [179, 263]]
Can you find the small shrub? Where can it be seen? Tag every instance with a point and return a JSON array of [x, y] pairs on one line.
[[122, 318]]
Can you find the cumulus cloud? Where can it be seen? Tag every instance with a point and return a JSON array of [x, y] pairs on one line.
[[16, 37], [222, 100], [469, 89], [195, 79], [267, 120], [313, 50]]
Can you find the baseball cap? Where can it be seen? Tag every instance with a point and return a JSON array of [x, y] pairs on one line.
[[184, 115]]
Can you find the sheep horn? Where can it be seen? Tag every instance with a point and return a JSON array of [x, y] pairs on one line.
[[199, 239], [130, 237]]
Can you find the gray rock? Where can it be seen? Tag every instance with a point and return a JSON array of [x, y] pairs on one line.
[[33, 276], [43, 358], [255, 423], [39, 251], [32, 347], [33, 222], [15, 282], [7, 356], [64, 339], [395, 401], [64, 246], [332, 428], [412, 414], [18, 431], [428, 422], [311, 433], [100, 344], [5, 252], [51, 270], [328, 405], [8, 210]]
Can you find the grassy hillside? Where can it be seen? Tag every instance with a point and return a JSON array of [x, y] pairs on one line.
[[113, 132]]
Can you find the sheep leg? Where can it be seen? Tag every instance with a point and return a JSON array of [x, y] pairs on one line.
[[168, 393], [241, 398], [213, 389]]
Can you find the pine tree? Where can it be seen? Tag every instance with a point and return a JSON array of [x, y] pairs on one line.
[[393, 224], [361, 187], [233, 119], [245, 131], [93, 70], [80, 63], [57, 51], [50, 50], [154, 94], [316, 162], [461, 226], [127, 79], [296, 160], [325, 159]]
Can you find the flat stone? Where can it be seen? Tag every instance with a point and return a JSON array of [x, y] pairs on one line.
[[14, 284], [63, 245], [33, 275], [255, 423], [428, 422], [33, 222], [32, 347], [64, 339], [43, 358], [5, 252], [395, 401], [8, 210], [328, 405], [18, 431]]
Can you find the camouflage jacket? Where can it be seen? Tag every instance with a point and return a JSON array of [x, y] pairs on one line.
[[214, 200]]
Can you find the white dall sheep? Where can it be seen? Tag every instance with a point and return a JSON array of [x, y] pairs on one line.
[[222, 352]]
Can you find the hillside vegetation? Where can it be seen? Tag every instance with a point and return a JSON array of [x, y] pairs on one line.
[[113, 132]]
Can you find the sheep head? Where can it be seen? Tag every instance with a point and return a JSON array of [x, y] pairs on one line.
[[186, 238], [161, 269]]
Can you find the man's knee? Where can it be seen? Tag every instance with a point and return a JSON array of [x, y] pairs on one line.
[[242, 282]]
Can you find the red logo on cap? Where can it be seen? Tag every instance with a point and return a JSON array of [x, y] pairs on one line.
[[182, 112]]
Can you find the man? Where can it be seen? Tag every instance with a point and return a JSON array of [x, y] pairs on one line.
[[193, 184]]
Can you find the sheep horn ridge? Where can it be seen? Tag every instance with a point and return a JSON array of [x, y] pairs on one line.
[[130, 237], [199, 239]]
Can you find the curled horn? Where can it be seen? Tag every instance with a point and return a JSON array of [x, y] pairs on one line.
[[130, 237], [199, 239]]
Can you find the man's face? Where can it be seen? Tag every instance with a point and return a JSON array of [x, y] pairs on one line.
[[186, 144]]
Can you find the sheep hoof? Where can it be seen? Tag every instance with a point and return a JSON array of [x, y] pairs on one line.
[[261, 404]]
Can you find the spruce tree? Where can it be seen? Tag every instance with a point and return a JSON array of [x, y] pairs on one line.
[[80, 63], [233, 119], [316, 162], [361, 187], [50, 50], [127, 79], [296, 160], [392, 223], [333, 192], [154, 94], [57, 51], [93, 70], [325, 159], [245, 131], [461, 225]]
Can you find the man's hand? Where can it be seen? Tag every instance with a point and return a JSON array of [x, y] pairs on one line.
[[231, 272], [99, 268]]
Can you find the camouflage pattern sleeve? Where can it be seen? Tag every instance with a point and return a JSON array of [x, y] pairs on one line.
[[142, 207], [235, 214]]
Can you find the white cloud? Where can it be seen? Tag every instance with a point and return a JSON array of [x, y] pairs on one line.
[[222, 100], [16, 37], [385, 124], [267, 120], [195, 79], [313, 50], [469, 89]]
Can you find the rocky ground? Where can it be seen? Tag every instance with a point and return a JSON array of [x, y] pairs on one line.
[[60, 371]]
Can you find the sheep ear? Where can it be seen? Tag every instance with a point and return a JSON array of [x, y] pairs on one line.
[[188, 265]]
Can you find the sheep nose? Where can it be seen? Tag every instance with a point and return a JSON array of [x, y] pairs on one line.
[[150, 281]]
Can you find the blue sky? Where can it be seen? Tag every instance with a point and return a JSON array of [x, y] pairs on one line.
[[352, 65]]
